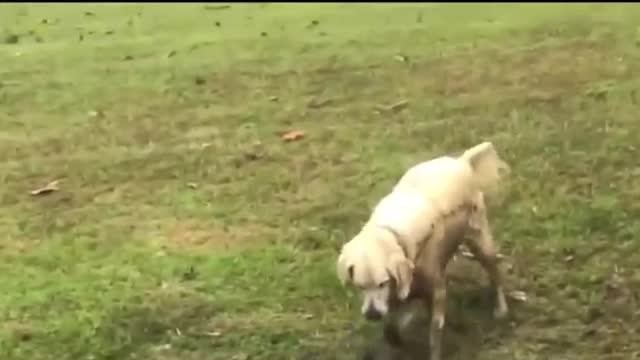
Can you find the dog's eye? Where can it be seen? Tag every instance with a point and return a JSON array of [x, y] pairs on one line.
[[383, 284]]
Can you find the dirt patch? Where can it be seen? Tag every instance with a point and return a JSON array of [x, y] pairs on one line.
[[19, 331], [193, 236]]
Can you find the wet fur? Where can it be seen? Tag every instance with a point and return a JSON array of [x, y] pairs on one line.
[[414, 231]]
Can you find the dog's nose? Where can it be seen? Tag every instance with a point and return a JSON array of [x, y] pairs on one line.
[[372, 314]]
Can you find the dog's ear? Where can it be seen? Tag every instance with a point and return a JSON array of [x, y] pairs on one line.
[[401, 269], [344, 269]]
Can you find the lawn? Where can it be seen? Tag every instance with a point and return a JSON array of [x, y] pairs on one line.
[[185, 227]]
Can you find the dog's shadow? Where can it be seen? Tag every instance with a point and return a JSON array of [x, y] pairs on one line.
[[469, 328]]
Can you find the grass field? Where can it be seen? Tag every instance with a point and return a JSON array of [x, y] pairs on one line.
[[184, 227]]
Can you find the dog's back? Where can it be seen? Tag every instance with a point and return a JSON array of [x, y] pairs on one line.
[[447, 182]]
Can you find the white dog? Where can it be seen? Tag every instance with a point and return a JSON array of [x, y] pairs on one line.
[[412, 233]]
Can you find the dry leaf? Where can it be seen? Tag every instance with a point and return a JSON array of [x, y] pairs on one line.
[[163, 347], [217, 7], [293, 135], [49, 188], [518, 295], [393, 107], [192, 185], [399, 105], [318, 103], [469, 255], [95, 113], [401, 58], [199, 80]]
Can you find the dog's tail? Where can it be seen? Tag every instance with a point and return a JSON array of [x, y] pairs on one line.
[[487, 166]]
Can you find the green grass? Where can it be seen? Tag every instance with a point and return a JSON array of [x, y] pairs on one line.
[[185, 228]]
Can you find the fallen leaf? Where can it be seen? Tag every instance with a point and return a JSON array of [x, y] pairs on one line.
[[12, 39], [401, 58], [393, 107], [49, 188], [252, 156], [518, 295], [273, 98], [192, 185], [217, 7], [95, 113], [469, 255], [318, 103], [293, 135], [172, 53], [399, 105], [163, 347]]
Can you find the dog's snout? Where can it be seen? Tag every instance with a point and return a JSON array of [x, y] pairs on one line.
[[372, 314]]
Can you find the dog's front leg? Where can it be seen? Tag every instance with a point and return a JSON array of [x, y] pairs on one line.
[[438, 310]]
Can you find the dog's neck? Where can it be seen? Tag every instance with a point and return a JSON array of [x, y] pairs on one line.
[[387, 237], [397, 240]]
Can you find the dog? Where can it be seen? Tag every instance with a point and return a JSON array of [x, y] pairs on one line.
[[403, 249]]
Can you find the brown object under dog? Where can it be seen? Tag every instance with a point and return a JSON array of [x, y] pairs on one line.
[[404, 334]]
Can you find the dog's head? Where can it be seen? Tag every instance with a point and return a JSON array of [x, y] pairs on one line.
[[382, 273]]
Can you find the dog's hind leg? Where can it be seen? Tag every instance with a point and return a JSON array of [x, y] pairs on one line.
[[481, 244]]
